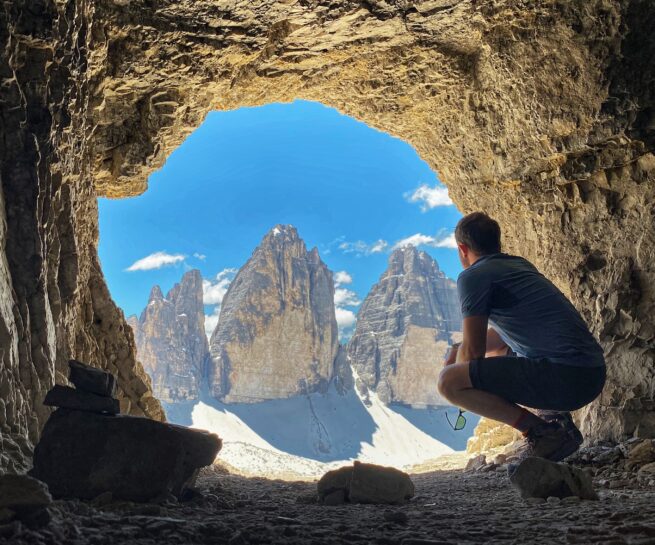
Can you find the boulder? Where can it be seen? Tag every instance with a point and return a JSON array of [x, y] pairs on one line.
[[70, 398], [365, 483], [378, 484], [84, 454], [539, 478]]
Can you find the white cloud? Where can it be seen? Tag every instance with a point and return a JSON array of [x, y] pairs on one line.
[[213, 292], [201, 257], [155, 261], [419, 239], [430, 197], [345, 298], [360, 247], [211, 321], [345, 318], [342, 277]]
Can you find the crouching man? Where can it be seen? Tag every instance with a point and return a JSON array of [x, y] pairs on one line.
[[555, 365]]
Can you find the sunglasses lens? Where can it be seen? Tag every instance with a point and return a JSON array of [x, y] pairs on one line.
[[461, 422]]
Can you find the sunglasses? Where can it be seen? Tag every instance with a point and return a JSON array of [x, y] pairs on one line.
[[460, 422]]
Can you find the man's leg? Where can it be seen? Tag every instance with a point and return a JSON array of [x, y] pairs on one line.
[[455, 385]]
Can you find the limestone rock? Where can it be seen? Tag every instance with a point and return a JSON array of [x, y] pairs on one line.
[[83, 455], [377, 484], [490, 435], [277, 332], [540, 478], [365, 483], [404, 328], [171, 340], [70, 398]]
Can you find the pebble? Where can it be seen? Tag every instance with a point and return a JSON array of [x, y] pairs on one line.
[[396, 516], [553, 500]]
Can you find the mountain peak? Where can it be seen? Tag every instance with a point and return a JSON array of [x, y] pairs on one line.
[[156, 294]]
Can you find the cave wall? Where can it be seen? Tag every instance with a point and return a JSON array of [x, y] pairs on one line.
[[540, 113]]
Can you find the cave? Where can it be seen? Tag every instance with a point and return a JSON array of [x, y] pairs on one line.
[[540, 113]]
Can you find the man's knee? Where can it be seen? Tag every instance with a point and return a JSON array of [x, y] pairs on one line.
[[447, 383]]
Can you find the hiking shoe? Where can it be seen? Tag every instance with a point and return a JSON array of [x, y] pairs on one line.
[[566, 421], [549, 440]]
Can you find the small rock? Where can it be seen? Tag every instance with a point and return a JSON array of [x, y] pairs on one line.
[[337, 479], [70, 398], [91, 379], [646, 472], [570, 500], [640, 454], [618, 483], [476, 463], [396, 516], [6, 515], [535, 501], [500, 459], [338, 497], [537, 477], [17, 491], [378, 484], [103, 499], [554, 500], [487, 468]]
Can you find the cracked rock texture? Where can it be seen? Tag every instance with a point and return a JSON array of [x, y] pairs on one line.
[[277, 332], [541, 113], [171, 341], [404, 328]]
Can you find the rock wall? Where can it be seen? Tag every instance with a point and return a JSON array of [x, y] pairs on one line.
[[277, 332], [170, 339], [404, 328], [540, 113]]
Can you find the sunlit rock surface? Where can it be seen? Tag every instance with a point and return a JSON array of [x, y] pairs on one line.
[[171, 341], [277, 332], [404, 328], [540, 113]]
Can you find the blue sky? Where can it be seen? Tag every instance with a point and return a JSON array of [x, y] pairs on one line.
[[352, 191]]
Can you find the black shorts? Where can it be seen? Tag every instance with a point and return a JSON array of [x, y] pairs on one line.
[[537, 383]]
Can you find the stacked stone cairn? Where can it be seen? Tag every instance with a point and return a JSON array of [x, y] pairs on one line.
[[87, 449]]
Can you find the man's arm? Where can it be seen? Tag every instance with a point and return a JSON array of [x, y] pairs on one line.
[[495, 344], [474, 345]]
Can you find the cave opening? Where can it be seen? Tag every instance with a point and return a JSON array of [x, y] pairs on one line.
[[541, 113], [243, 199]]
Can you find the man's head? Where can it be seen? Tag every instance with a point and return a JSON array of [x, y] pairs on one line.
[[476, 235]]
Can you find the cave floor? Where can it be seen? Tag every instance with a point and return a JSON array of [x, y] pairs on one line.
[[450, 507]]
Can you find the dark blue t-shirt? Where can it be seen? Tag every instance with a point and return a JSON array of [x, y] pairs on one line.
[[526, 309]]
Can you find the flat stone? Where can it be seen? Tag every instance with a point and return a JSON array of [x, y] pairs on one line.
[[18, 491], [476, 463], [83, 454], [540, 478], [92, 380], [640, 454], [70, 398], [378, 484]]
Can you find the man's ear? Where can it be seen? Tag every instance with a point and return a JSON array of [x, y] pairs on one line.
[[463, 248]]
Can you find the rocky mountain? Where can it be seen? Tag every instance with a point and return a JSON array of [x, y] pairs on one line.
[[404, 328], [277, 332], [171, 341]]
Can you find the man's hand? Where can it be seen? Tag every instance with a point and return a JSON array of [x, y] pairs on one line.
[[475, 339], [451, 357]]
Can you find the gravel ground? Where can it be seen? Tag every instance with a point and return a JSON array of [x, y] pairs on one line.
[[450, 507]]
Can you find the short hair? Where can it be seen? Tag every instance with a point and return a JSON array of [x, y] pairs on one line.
[[479, 232]]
